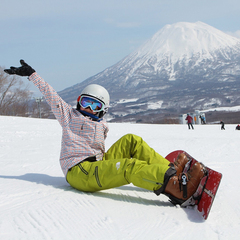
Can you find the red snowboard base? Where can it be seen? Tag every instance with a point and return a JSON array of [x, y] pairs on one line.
[[207, 188]]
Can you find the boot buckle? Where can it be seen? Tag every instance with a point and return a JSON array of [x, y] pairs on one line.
[[184, 180]]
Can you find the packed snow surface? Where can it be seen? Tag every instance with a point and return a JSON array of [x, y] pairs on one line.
[[37, 203]]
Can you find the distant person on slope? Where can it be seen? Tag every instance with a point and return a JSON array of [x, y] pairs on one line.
[[189, 121], [222, 125], [202, 119], [84, 162]]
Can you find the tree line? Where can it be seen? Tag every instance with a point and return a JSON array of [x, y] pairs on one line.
[[17, 100]]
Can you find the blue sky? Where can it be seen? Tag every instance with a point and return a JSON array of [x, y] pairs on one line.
[[68, 41]]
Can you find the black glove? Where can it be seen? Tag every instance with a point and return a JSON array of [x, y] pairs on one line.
[[24, 70]]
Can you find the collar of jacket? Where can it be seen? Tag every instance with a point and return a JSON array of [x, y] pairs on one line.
[[92, 116]]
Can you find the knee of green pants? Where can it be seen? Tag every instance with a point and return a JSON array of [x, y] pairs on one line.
[[133, 146], [146, 176]]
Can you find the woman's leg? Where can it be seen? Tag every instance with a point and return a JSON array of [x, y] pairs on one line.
[[129, 160], [132, 146], [100, 175]]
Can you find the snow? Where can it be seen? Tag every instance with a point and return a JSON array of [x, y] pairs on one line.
[[155, 105], [184, 39], [127, 100], [228, 109], [37, 203], [181, 43]]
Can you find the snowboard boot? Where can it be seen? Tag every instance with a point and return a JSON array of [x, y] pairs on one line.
[[180, 163], [180, 188]]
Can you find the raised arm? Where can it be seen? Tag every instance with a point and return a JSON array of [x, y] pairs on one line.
[[60, 108]]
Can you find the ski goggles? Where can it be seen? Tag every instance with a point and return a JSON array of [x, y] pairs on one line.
[[95, 104]]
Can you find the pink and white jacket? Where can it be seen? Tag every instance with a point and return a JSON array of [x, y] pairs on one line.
[[81, 137]]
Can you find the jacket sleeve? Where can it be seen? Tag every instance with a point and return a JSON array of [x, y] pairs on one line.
[[60, 108], [106, 129]]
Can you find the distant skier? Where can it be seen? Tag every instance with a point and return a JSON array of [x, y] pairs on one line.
[[189, 121], [238, 127], [202, 119], [222, 125], [84, 162]]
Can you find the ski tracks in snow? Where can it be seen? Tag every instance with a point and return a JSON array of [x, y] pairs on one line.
[[37, 203]]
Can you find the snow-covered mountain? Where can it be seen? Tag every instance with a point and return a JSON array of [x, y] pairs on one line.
[[184, 66]]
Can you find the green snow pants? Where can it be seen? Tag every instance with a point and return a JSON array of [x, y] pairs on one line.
[[129, 160]]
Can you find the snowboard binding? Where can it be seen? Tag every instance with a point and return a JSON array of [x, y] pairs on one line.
[[206, 189], [184, 181]]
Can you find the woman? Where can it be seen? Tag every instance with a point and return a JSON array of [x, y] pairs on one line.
[[86, 165]]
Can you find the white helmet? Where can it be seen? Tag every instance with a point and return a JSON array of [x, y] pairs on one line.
[[98, 92]]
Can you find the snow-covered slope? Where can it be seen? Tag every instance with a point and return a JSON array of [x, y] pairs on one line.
[[184, 66], [37, 203]]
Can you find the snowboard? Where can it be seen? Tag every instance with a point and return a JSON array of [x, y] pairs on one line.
[[207, 189]]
